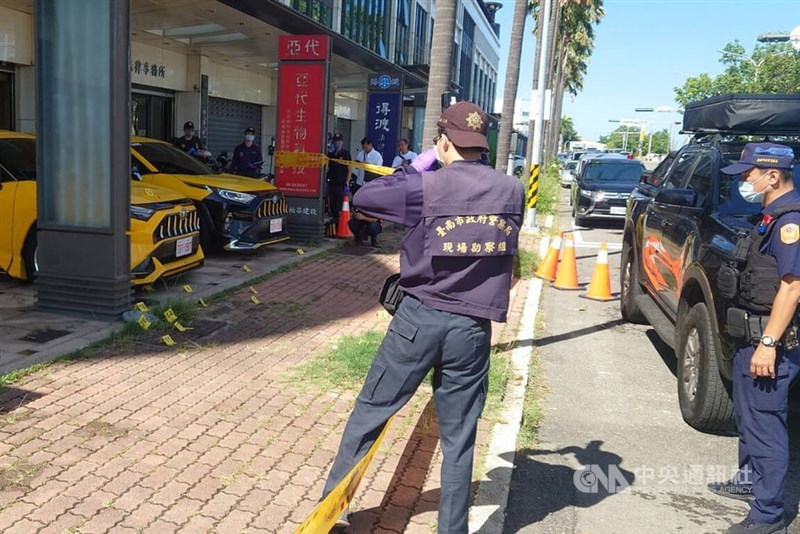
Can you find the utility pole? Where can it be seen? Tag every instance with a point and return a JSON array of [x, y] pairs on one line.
[[536, 155]]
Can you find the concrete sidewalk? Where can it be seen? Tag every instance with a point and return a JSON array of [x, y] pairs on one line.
[[217, 437]]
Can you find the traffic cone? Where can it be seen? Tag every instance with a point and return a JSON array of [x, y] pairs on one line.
[[343, 232], [547, 269], [567, 276], [600, 288]]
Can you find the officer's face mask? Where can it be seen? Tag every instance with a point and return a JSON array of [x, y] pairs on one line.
[[188, 133], [249, 137], [748, 192], [439, 153]]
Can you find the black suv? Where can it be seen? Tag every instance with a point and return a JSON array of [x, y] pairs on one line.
[[683, 221], [602, 189]]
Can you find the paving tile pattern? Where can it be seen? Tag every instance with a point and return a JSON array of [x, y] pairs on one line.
[[219, 437]]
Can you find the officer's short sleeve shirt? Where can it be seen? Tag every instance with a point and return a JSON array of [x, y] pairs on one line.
[[783, 241]]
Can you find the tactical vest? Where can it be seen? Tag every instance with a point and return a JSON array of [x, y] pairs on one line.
[[478, 218], [758, 280]]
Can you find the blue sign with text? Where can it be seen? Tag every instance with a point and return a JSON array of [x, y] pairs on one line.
[[383, 123]]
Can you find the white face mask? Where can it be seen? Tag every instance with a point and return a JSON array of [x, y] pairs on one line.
[[439, 154], [748, 192], [249, 137]]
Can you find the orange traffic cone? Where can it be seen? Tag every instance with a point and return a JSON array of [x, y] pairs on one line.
[[600, 288], [343, 231], [567, 277], [549, 266]]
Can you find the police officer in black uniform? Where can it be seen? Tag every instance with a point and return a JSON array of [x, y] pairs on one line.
[[768, 359], [189, 143], [461, 231]]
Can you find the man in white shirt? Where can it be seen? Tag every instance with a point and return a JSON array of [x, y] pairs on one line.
[[367, 155], [404, 156]]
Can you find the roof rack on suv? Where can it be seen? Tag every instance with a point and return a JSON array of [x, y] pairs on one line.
[[744, 114]]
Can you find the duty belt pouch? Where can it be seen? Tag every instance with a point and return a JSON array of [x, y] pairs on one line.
[[755, 327], [727, 281], [391, 294], [737, 323]]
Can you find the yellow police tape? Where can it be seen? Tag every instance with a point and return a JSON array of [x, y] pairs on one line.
[[324, 516], [314, 160]]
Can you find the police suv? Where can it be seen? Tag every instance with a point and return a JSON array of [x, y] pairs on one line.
[[682, 225]]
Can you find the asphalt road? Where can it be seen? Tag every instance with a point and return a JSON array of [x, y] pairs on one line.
[[611, 407]]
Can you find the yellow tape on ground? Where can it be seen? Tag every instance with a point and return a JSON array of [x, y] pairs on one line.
[[313, 160], [324, 516]]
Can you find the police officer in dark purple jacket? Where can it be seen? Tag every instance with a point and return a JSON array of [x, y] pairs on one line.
[[461, 227]]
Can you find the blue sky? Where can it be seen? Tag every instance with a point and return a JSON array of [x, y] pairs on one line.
[[645, 48]]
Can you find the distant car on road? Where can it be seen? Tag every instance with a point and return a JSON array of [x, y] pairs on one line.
[[602, 188], [519, 165], [567, 173]]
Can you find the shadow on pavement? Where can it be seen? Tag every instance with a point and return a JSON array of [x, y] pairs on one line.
[[665, 351], [540, 488], [560, 337]]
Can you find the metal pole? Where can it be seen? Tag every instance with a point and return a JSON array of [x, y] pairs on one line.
[[536, 154]]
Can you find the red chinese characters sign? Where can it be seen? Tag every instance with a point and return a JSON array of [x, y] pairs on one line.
[[301, 112], [303, 47]]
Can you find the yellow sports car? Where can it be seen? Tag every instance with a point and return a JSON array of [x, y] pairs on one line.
[[236, 213], [164, 233]]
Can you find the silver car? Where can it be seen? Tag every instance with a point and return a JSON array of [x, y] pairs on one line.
[[566, 173]]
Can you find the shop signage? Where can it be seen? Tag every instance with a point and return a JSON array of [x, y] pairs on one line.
[[385, 82], [303, 47], [301, 111], [383, 123], [146, 68]]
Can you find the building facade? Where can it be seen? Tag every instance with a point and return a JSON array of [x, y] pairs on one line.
[[214, 62]]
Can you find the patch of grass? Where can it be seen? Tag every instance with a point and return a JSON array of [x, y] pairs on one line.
[[525, 263], [344, 365], [12, 377], [533, 410], [549, 187], [500, 373]]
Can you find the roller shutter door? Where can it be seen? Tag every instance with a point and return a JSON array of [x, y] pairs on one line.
[[227, 120]]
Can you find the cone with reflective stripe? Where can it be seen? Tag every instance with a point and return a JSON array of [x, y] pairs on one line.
[[343, 231], [567, 276], [600, 288], [547, 269]]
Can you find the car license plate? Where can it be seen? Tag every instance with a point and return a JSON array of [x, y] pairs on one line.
[[618, 211], [275, 226], [183, 247]]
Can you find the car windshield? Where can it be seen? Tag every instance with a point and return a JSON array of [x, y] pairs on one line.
[[18, 156], [169, 160], [604, 171], [570, 165]]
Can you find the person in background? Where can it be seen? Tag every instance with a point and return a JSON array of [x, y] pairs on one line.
[[337, 176], [365, 227], [367, 155], [247, 157], [189, 143], [405, 156]]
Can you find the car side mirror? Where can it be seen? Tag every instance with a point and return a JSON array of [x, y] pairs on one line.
[[683, 198], [573, 173], [135, 174]]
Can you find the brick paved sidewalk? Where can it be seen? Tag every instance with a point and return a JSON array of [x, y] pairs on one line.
[[216, 438]]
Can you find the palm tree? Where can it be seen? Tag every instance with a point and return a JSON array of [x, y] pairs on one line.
[[575, 45], [441, 65], [512, 82]]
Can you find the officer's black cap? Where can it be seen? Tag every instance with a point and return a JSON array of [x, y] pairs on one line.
[[250, 130], [188, 125], [337, 137]]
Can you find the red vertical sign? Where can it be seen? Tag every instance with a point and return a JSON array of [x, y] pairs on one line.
[[302, 92]]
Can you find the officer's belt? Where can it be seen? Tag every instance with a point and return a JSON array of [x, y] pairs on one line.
[[750, 327]]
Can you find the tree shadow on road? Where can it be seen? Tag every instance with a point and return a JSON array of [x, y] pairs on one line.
[[541, 487]]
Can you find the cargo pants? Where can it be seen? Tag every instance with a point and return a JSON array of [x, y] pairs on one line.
[[419, 339]]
